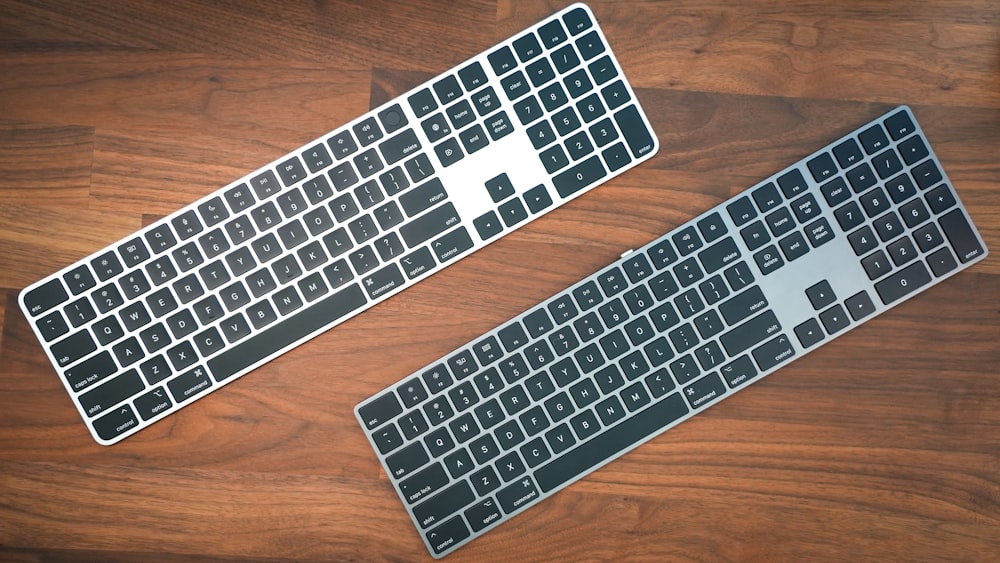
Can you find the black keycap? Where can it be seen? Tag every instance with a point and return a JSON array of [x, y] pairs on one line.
[[809, 333], [265, 184], [502, 60], [515, 85], [499, 188], [792, 183], [443, 504], [820, 295], [553, 96], [449, 152], [291, 171], [861, 177], [451, 244], [743, 305], [45, 297], [510, 466], [590, 45], [289, 330], [876, 265], [859, 305], [387, 438], [886, 163], [472, 76], [437, 378], [615, 94], [189, 384], [768, 260], [638, 137], [554, 158], [160, 238], [793, 246], [72, 348], [603, 70], [959, 232], [738, 372], [422, 102], [578, 83], [448, 534], [551, 34], [941, 262], [848, 153], [627, 433], [186, 224], [517, 495], [926, 174], [822, 167], [316, 158], [154, 370], [429, 225], [539, 72], [565, 59], [940, 199], [579, 176], [424, 483], [512, 212], [111, 393], [413, 424], [903, 282], [367, 132], [704, 391], [240, 198], [90, 371], [213, 211], [152, 403], [913, 150], [899, 125], [527, 47], [528, 110], [577, 20], [750, 333], [52, 326], [392, 118], [473, 139], [417, 263], [773, 352], [116, 423], [767, 197], [423, 197], [780, 221], [873, 139], [835, 191], [80, 312], [719, 255], [487, 225], [482, 514], [834, 319]]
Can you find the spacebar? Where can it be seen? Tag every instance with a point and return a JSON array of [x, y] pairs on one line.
[[604, 446], [288, 331]]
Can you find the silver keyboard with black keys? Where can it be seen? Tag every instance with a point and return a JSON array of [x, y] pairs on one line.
[[669, 330], [173, 312]]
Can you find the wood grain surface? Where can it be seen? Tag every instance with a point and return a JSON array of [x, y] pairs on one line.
[[883, 445]]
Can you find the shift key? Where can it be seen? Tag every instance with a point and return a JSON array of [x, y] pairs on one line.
[[432, 223]]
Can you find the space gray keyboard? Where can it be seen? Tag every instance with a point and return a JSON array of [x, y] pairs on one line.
[[668, 330], [190, 303]]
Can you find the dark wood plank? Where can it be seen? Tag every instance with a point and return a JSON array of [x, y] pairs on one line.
[[882, 444]]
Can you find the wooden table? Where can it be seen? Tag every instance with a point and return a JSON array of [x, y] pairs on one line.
[[883, 445]]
